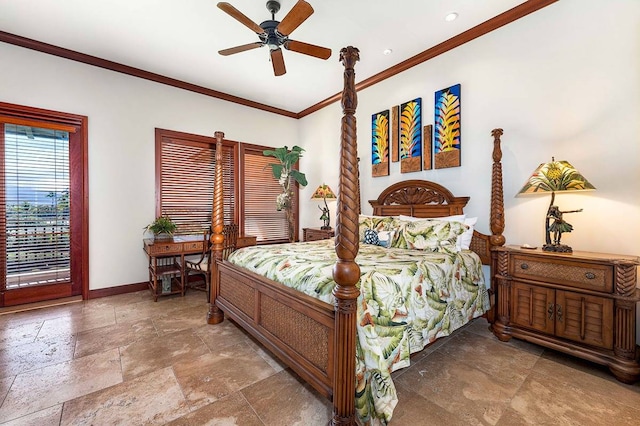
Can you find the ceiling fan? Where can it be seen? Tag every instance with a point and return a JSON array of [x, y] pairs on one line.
[[275, 34]]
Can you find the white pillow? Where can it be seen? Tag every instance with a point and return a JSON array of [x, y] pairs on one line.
[[464, 240]]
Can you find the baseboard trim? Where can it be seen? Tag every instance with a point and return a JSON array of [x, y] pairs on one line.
[[121, 289]]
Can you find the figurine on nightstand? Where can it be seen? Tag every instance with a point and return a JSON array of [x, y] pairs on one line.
[[558, 227], [325, 217]]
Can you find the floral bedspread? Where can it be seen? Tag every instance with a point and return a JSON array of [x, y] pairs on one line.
[[408, 299]]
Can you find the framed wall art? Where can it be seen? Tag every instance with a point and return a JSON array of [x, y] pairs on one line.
[[426, 147], [447, 128], [380, 144], [411, 136], [395, 133]]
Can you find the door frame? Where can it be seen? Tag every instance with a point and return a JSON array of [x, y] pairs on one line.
[[77, 126]]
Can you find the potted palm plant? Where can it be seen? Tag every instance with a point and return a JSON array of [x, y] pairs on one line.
[[162, 227], [285, 174]]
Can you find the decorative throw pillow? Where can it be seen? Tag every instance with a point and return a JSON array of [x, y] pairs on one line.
[[464, 240], [376, 223], [370, 237], [429, 235]]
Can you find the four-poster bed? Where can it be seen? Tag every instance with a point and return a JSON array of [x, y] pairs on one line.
[[316, 339]]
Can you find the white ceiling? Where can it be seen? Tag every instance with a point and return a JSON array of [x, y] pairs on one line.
[[180, 39]]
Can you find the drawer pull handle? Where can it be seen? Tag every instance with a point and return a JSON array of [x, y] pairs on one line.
[[524, 266], [550, 311], [590, 275]]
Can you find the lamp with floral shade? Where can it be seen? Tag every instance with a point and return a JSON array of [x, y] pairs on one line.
[[556, 176], [322, 193]]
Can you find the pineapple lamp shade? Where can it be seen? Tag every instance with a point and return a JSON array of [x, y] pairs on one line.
[[556, 176], [322, 193]]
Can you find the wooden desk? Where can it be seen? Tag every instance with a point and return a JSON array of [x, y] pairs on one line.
[[166, 260]]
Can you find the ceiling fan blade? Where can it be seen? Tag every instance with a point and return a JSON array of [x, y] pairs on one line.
[[296, 16], [238, 49], [308, 49], [278, 62], [240, 17]]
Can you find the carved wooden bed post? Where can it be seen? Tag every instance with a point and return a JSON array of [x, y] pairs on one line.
[[346, 271], [497, 214], [215, 315]]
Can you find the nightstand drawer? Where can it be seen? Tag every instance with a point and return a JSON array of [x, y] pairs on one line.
[[584, 275]]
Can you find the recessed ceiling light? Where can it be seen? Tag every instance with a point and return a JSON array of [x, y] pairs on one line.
[[451, 17], [387, 51]]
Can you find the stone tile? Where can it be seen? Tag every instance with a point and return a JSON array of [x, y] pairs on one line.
[[227, 333], [181, 319], [73, 324], [47, 417], [40, 314], [273, 361], [38, 354], [113, 336], [461, 388], [413, 409], [282, 399], [592, 378], [543, 400], [489, 354], [147, 355], [214, 375], [164, 306], [48, 386], [19, 334], [5, 384], [135, 312], [152, 399], [231, 410], [117, 300]]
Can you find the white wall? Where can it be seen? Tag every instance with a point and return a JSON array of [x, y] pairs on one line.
[[561, 82], [123, 112]]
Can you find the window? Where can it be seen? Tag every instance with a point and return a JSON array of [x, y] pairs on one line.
[[44, 243], [36, 164], [260, 192], [185, 166]]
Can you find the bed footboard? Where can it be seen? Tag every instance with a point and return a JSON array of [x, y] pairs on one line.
[[295, 327]]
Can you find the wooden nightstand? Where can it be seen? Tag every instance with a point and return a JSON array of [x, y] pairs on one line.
[[314, 234], [583, 304]]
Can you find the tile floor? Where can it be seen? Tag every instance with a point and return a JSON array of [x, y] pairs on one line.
[[127, 360]]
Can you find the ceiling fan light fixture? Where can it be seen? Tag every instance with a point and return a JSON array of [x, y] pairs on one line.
[[275, 34]]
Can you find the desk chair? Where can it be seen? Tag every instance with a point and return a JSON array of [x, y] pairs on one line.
[[202, 266]]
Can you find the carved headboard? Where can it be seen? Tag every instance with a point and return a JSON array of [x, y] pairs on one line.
[[425, 199]]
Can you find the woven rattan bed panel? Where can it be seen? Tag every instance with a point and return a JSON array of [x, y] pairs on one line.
[[305, 335], [239, 294]]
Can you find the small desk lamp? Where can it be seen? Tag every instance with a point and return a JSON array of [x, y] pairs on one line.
[[322, 193], [554, 177]]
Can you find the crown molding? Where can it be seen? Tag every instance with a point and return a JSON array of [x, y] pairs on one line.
[[492, 24]]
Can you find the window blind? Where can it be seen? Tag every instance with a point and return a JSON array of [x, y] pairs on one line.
[[35, 196], [260, 191], [187, 183]]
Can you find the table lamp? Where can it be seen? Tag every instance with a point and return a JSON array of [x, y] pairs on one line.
[[322, 193], [553, 177]]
